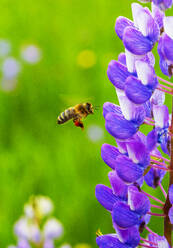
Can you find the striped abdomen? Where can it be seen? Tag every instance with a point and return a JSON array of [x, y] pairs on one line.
[[67, 115]]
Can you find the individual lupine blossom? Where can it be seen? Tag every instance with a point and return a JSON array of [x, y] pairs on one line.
[[37, 227], [137, 159]]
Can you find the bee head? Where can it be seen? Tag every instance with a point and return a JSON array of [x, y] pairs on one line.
[[89, 108]]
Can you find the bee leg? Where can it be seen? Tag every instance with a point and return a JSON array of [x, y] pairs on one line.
[[78, 123]]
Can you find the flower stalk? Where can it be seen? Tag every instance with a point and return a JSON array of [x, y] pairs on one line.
[[137, 158]]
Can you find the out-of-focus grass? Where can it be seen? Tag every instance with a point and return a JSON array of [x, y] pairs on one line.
[[36, 155]]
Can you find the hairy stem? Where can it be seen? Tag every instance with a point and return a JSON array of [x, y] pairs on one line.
[[167, 224]]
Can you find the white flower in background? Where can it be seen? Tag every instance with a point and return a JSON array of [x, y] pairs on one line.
[[10, 68], [31, 54], [11, 246], [36, 227], [52, 229], [44, 205], [22, 243], [25, 229], [49, 243], [29, 211], [95, 133], [5, 48], [21, 228]]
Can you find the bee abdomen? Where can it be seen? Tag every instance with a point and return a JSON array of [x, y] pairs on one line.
[[65, 116]]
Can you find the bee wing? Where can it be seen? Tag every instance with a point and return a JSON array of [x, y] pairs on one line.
[[70, 100]]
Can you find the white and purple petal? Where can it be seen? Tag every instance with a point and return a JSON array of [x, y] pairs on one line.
[[109, 154], [120, 128], [111, 107], [110, 241], [153, 177], [163, 4], [145, 22], [121, 146], [168, 24], [151, 140], [146, 74], [135, 42], [118, 186], [158, 97], [122, 58], [158, 15], [161, 116], [138, 152], [137, 201], [136, 91], [131, 111], [117, 74], [165, 143], [164, 66], [162, 242], [123, 216], [105, 196], [120, 24], [128, 171], [167, 47], [129, 236]]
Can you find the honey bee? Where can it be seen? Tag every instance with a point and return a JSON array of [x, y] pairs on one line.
[[77, 113]]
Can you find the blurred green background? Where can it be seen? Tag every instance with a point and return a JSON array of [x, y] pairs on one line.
[[36, 155]]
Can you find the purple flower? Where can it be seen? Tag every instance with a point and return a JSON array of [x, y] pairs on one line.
[[123, 126], [129, 165], [165, 47], [138, 86], [138, 37], [110, 241], [136, 157], [106, 197]]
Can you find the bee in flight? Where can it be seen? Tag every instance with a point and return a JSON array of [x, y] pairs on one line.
[[77, 113]]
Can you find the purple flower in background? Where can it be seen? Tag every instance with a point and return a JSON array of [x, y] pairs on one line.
[[35, 228], [23, 243]]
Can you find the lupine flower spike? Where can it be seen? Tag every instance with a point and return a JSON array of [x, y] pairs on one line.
[[139, 158]]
